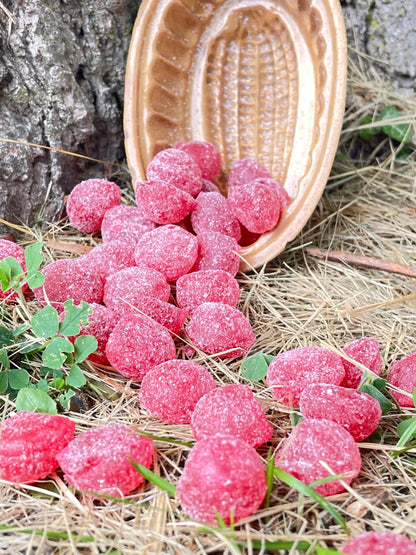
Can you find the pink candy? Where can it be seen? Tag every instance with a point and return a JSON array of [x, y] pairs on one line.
[[108, 258], [366, 351], [217, 251], [246, 170], [172, 389], [124, 223], [97, 460], [205, 155], [204, 286], [89, 201], [212, 213], [220, 329], [162, 202], [232, 410], [30, 443], [290, 372], [101, 323], [222, 475], [403, 376], [178, 168], [313, 441], [379, 543], [357, 412]]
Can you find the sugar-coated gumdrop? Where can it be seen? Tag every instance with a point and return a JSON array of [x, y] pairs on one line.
[[137, 344], [89, 201], [209, 187], [170, 249], [8, 248], [246, 170], [217, 251], [256, 206], [313, 441], [30, 443], [101, 323], [206, 286], [69, 279], [281, 192], [212, 213], [108, 258], [124, 223], [178, 168], [162, 202], [171, 390], [232, 410], [291, 371], [205, 154], [220, 328], [357, 412], [222, 476], [166, 314], [379, 543], [97, 460], [403, 376], [366, 351]]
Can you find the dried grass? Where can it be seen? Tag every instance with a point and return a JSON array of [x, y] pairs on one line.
[[368, 209]]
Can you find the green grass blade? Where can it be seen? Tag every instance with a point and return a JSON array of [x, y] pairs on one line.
[[277, 545], [158, 481], [52, 535]]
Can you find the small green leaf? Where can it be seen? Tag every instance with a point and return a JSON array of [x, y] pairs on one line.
[[4, 359], [35, 279], [65, 398], [379, 383], [43, 385], [326, 551], [6, 337], [84, 346], [33, 256], [54, 354], [4, 381], [5, 275], [31, 347], [154, 478], [404, 153], [255, 367], [35, 400], [19, 330], [406, 430], [397, 131], [45, 322], [73, 316], [368, 131], [58, 383], [374, 392], [76, 377], [18, 378], [16, 271]]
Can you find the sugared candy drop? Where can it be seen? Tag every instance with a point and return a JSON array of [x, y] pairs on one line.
[[125, 223], [108, 258], [217, 251], [163, 203], [379, 543], [101, 323], [366, 351], [212, 213], [178, 168], [246, 170], [205, 154], [403, 376]]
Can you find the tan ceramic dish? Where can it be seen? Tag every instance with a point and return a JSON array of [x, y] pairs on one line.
[[258, 78]]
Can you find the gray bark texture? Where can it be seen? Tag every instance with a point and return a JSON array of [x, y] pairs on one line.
[[62, 65]]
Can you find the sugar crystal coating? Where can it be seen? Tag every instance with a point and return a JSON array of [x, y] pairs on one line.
[[171, 390], [9, 248], [137, 344], [178, 168], [162, 202], [366, 351], [379, 543], [281, 192], [291, 371], [403, 376], [217, 251], [205, 286], [212, 213], [97, 460], [125, 223], [166, 314], [66, 279], [246, 170], [89, 201], [357, 412], [205, 154], [170, 249], [209, 187], [256, 205], [316, 440], [220, 328], [30, 443], [222, 475], [108, 258], [232, 410]]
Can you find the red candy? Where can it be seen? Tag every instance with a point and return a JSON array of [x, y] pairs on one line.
[[220, 328], [246, 170], [89, 201], [290, 372], [30, 443], [357, 412], [312, 441], [403, 376], [69, 279], [281, 192], [222, 475], [163, 203], [205, 155], [97, 460], [101, 323], [209, 187], [108, 258], [232, 410], [212, 213], [8, 248], [137, 344], [171, 390], [166, 314], [366, 351], [256, 206], [379, 543], [206, 286], [178, 168], [170, 249], [217, 251], [124, 223]]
